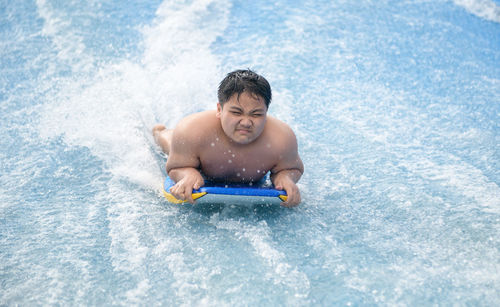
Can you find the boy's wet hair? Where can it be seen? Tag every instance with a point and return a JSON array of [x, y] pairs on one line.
[[240, 81]]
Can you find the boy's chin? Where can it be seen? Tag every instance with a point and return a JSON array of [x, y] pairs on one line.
[[242, 140]]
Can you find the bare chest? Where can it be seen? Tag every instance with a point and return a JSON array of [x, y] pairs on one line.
[[236, 165]]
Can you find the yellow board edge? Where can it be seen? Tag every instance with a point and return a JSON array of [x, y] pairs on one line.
[[174, 200], [283, 197]]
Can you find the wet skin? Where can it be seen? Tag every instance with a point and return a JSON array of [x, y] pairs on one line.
[[236, 143]]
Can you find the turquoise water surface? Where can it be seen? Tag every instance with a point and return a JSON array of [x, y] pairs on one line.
[[396, 108]]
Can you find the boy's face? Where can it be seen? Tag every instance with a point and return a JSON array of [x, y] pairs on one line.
[[243, 119]]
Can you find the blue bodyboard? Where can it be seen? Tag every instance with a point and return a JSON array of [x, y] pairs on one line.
[[261, 192]]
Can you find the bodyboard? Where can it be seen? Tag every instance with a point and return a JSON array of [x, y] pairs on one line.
[[261, 192]]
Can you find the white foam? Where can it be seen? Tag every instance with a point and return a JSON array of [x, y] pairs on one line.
[[459, 175], [280, 272], [178, 56], [136, 296], [68, 43], [113, 111], [486, 9]]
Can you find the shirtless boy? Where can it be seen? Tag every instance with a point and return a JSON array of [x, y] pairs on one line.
[[238, 142]]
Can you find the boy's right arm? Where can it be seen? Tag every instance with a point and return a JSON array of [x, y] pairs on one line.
[[182, 164]]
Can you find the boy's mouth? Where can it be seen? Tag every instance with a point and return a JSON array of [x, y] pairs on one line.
[[244, 131]]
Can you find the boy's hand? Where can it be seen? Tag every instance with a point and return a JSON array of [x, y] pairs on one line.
[[183, 189], [282, 181]]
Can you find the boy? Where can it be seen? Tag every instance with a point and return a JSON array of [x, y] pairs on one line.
[[236, 143]]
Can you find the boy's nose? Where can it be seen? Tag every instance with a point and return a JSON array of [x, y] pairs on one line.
[[246, 122]]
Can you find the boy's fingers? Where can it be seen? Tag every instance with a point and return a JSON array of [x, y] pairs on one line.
[[189, 197], [184, 192], [180, 192], [293, 198]]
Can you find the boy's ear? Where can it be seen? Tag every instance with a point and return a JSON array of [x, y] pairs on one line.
[[219, 110]]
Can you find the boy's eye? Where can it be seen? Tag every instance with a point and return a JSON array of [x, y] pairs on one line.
[[235, 112]]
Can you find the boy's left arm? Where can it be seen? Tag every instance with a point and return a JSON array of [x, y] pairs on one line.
[[288, 171]]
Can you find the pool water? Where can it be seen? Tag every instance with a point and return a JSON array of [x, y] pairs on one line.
[[396, 108]]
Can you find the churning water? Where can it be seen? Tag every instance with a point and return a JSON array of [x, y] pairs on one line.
[[396, 107]]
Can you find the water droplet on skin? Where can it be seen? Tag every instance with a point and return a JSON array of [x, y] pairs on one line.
[[268, 145], [244, 170], [250, 184], [217, 139], [258, 171], [226, 186], [238, 174], [213, 144], [233, 155], [229, 150], [229, 161]]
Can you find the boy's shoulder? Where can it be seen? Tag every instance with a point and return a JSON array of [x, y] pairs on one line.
[[279, 128], [197, 123], [197, 118], [194, 130]]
